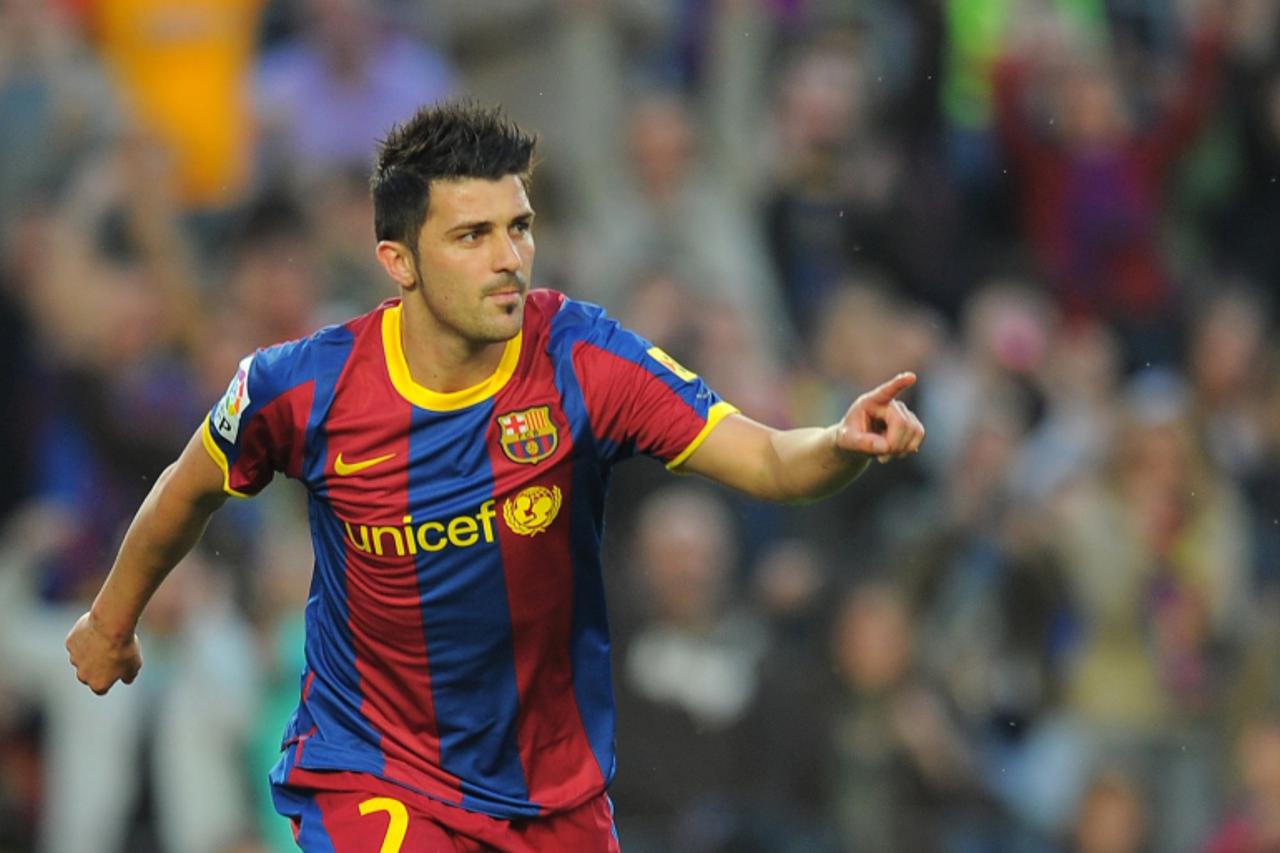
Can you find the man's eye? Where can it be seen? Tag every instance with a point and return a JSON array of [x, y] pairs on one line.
[[521, 227], [470, 237]]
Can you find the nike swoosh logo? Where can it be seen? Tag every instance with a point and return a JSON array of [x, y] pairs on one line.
[[345, 468]]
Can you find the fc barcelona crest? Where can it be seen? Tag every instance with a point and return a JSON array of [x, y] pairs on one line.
[[528, 436]]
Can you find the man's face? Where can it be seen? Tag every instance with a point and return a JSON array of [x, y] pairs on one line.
[[475, 257]]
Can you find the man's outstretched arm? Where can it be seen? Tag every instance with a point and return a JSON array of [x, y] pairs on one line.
[[102, 644], [805, 464]]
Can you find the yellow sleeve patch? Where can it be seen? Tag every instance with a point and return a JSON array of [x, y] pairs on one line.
[[660, 356]]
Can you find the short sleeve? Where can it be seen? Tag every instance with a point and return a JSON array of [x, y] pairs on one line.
[[638, 398], [258, 427]]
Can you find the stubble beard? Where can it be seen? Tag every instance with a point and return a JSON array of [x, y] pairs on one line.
[[511, 313], [481, 327]]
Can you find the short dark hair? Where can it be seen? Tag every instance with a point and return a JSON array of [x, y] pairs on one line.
[[447, 141]]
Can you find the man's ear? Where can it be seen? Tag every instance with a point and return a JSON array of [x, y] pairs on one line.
[[399, 263]]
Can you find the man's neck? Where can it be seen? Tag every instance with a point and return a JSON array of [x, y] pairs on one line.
[[439, 358]]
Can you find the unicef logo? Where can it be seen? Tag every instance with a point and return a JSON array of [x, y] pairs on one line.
[[532, 510]]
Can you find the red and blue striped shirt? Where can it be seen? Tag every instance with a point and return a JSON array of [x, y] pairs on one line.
[[456, 636]]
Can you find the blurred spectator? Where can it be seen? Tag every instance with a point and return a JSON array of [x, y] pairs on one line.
[[275, 284], [1112, 817], [993, 603], [182, 70], [1092, 177], [785, 759], [1249, 220], [650, 182], [688, 675], [1262, 482], [1004, 342], [89, 746], [202, 701], [1254, 825], [1078, 381], [791, 587], [1156, 556], [831, 202], [55, 105], [977, 35], [903, 776], [112, 305], [855, 174], [325, 96], [343, 232], [506, 52], [170, 748], [1225, 366], [20, 382], [280, 588]]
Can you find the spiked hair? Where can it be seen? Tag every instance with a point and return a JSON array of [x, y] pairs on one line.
[[448, 141]]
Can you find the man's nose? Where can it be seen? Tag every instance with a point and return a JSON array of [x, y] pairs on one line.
[[506, 257]]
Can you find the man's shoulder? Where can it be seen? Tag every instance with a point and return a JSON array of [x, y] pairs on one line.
[[562, 317], [327, 348]]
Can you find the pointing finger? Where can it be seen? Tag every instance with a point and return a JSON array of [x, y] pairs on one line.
[[883, 395]]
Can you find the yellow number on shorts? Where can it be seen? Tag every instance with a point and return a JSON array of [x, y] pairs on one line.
[[398, 826]]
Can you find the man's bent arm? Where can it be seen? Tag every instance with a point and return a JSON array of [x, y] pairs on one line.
[[168, 524], [806, 464]]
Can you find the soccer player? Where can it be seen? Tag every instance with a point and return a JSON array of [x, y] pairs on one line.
[[456, 445]]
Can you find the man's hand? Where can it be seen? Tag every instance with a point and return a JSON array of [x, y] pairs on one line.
[[102, 644], [879, 425], [101, 660], [807, 463]]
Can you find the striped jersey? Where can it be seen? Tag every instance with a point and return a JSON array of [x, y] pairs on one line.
[[456, 636]]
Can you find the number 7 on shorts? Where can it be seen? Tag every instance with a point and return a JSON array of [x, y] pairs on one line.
[[397, 826]]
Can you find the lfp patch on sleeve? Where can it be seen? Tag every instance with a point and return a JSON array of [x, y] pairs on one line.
[[660, 356], [226, 416]]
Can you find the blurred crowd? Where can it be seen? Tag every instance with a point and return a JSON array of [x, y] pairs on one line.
[[1055, 629]]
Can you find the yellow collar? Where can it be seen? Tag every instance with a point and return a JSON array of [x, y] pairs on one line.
[[425, 398]]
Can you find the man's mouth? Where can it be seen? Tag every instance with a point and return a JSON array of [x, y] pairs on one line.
[[507, 292]]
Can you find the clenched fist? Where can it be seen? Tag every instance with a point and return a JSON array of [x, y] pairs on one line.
[[99, 659]]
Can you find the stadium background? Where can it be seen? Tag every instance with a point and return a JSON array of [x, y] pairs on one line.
[[1054, 629]]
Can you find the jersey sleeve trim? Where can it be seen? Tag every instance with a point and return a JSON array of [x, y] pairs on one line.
[[214, 451], [715, 415], [440, 401]]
